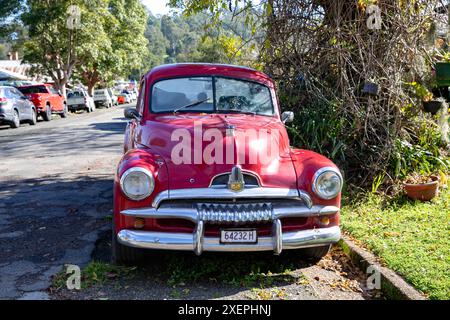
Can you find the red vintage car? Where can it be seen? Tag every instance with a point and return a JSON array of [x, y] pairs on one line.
[[207, 166], [46, 99]]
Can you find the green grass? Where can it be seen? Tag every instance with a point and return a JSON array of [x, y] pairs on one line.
[[412, 238], [236, 270], [94, 273]]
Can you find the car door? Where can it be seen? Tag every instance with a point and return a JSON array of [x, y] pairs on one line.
[[15, 100], [22, 102], [55, 99]]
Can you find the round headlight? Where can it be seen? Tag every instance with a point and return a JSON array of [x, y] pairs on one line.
[[137, 183], [327, 183]]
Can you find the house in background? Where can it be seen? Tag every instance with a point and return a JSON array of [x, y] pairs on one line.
[[14, 72]]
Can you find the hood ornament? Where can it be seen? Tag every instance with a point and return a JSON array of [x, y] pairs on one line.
[[236, 181]]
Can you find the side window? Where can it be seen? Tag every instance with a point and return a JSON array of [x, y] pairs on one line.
[[10, 94], [7, 94], [52, 90], [17, 93], [140, 103]]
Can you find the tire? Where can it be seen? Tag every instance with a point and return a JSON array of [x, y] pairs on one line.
[[64, 113], [47, 114], [315, 254], [33, 119], [16, 120], [123, 255]]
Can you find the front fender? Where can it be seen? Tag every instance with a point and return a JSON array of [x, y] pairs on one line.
[[306, 163], [138, 158]]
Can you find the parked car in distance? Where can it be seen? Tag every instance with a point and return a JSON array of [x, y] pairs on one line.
[[208, 166], [79, 99], [102, 98], [15, 107], [113, 97], [46, 99], [124, 98], [128, 93]]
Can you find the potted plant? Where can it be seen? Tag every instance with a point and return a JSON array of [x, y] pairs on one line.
[[443, 70], [421, 187], [433, 106], [428, 103]]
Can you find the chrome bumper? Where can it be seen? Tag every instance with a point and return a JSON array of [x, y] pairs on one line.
[[232, 212], [197, 243]]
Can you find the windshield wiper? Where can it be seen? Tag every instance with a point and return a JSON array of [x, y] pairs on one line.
[[240, 111], [192, 104]]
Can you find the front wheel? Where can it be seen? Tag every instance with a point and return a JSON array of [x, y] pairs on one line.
[[47, 114], [64, 113], [121, 254], [315, 254]]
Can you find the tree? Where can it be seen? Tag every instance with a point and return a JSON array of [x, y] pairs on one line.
[[9, 8], [119, 45], [100, 40], [59, 31]]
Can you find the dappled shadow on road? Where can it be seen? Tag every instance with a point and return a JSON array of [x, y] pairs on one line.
[[53, 220], [113, 127]]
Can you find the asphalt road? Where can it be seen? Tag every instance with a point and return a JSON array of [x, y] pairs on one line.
[[55, 209]]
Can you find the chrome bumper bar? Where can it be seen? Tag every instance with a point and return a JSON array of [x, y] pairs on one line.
[[196, 242]]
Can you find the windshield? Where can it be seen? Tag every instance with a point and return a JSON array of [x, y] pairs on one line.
[[211, 94], [34, 89]]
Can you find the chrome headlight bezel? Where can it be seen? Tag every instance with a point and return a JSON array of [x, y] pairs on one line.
[[149, 176], [318, 174]]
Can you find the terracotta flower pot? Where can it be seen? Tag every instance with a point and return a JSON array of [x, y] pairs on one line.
[[422, 191]]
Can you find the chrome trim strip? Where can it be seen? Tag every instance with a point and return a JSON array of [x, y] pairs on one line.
[[186, 242], [228, 173], [213, 193], [306, 198], [163, 213], [190, 213]]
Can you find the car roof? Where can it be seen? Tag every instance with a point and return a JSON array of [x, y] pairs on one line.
[[35, 85], [207, 69]]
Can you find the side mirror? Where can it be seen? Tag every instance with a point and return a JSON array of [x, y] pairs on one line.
[[287, 116], [132, 113]]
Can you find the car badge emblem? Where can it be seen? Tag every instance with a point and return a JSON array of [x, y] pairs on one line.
[[236, 180], [230, 130]]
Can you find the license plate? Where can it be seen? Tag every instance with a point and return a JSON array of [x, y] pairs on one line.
[[238, 236]]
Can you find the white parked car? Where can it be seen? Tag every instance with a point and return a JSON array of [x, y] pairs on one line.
[[130, 94], [102, 98], [114, 97], [79, 99]]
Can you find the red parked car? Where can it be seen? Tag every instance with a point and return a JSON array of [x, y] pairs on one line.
[[208, 167], [46, 99]]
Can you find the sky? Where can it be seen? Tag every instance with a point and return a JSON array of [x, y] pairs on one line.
[[157, 6]]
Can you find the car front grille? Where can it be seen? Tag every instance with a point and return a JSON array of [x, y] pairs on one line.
[[234, 212]]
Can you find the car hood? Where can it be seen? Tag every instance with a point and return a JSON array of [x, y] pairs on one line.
[[190, 146]]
